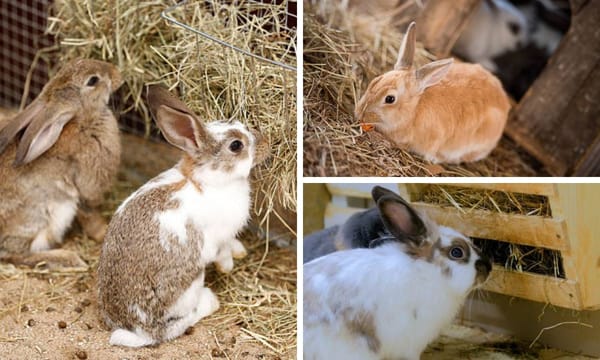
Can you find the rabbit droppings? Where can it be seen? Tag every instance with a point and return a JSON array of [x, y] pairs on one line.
[[446, 112], [161, 238], [59, 168], [391, 300]]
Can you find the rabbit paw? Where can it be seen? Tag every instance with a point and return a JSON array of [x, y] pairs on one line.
[[224, 264], [93, 224], [238, 251]]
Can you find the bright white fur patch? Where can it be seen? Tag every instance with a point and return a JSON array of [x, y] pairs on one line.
[[168, 177], [195, 303], [137, 338], [219, 211], [61, 217]]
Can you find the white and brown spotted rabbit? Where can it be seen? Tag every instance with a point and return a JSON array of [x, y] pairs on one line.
[[57, 158], [390, 300], [446, 112], [160, 240]]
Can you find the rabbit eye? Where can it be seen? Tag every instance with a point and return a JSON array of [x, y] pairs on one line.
[[236, 146], [514, 28], [92, 81], [457, 253], [390, 99]]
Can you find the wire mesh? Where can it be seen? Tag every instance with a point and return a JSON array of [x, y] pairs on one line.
[[23, 43]]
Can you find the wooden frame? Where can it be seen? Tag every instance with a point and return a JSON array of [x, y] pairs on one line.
[[573, 230]]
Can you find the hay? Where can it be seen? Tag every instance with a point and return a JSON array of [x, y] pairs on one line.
[[342, 52], [514, 257], [215, 81]]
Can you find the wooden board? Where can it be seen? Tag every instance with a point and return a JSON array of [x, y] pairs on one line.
[[441, 22], [519, 229], [545, 289], [558, 119]]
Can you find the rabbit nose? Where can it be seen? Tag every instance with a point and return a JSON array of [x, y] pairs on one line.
[[483, 266]]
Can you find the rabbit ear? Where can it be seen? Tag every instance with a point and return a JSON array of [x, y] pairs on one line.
[[377, 192], [401, 220], [433, 73], [18, 122], [176, 121], [406, 53], [43, 130]]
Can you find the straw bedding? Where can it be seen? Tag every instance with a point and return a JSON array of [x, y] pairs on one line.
[[343, 50]]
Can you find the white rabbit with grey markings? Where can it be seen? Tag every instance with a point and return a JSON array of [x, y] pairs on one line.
[[160, 240], [391, 300]]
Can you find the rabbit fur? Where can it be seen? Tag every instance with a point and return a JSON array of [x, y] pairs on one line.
[[389, 301], [57, 158], [496, 27], [160, 240], [446, 112]]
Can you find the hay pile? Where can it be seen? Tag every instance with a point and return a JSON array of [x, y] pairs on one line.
[[215, 81], [515, 257], [343, 50]]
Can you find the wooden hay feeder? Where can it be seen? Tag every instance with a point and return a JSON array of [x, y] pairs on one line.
[[572, 230], [557, 119]]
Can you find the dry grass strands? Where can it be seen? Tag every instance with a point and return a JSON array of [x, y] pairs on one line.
[[515, 257], [343, 50], [216, 82]]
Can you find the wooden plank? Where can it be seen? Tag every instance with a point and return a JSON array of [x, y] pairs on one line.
[[441, 22], [315, 201], [357, 190], [581, 204], [589, 164], [539, 121], [519, 229], [546, 289]]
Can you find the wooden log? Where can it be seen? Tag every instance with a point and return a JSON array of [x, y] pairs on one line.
[[441, 22], [558, 118]]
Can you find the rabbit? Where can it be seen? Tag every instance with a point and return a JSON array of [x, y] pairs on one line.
[[163, 236], [391, 300], [57, 158], [359, 231], [496, 27], [446, 112]]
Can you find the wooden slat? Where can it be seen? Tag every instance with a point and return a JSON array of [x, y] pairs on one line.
[[557, 120], [441, 22], [519, 229], [546, 289]]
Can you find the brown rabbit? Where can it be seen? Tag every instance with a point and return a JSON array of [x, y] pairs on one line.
[[161, 238], [442, 111], [60, 166]]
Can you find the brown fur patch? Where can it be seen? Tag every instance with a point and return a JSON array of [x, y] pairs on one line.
[[226, 160], [458, 242], [187, 167], [361, 323]]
